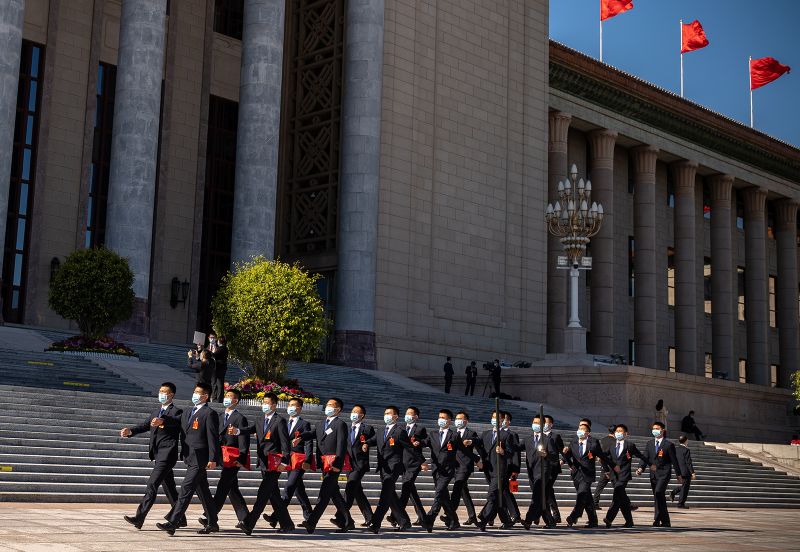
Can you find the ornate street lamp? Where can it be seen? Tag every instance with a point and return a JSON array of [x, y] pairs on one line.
[[574, 219]]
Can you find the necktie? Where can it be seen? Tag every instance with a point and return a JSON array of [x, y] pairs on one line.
[[161, 413], [494, 436], [619, 449], [442, 433], [225, 423], [194, 412], [409, 428], [291, 424], [353, 434], [658, 445], [266, 423], [385, 433], [536, 442], [327, 423], [581, 448]]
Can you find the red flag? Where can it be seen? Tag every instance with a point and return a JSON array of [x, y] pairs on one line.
[[693, 37], [610, 8], [765, 70]]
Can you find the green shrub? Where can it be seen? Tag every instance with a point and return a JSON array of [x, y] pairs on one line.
[[269, 312], [94, 287]]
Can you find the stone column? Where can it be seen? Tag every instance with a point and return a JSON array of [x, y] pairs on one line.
[[756, 296], [723, 312], [357, 241], [134, 142], [601, 160], [255, 191], [557, 169], [786, 294], [645, 264], [11, 21], [685, 268]]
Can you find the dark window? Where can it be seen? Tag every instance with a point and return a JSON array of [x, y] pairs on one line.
[[671, 276], [229, 18], [215, 245], [631, 272], [22, 181], [770, 220], [631, 352], [707, 285], [740, 286], [773, 320], [739, 210], [100, 168], [670, 190], [588, 273]]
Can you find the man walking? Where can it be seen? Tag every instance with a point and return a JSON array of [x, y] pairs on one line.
[[660, 457], [686, 470], [605, 443], [444, 445], [581, 455], [555, 468], [622, 452], [448, 375], [360, 434], [540, 452]]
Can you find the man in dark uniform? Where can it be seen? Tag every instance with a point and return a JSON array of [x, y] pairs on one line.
[[200, 450], [273, 448], [605, 443], [622, 452], [555, 468], [686, 470], [495, 446], [472, 377], [445, 445], [164, 425], [660, 457], [389, 445], [540, 453], [331, 438], [448, 375], [581, 455], [466, 457], [514, 468], [413, 460], [228, 484], [494, 371], [360, 434], [219, 352]]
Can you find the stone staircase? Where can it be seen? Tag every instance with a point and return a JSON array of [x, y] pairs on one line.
[[63, 445]]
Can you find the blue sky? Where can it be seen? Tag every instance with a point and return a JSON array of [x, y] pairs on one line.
[[645, 42]]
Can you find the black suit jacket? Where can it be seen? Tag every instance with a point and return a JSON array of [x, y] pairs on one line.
[[205, 371], [467, 455], [359, 459], [664, 460], [412, 456], [555, 467], [332, 441], [624, 460], [515, 460], [444, 459], [533, 462], [242, 441], [163, 440], [390, 449], [202, 437], [273, 440], [220, 357], [488, 454], [606, 443], [583, 467], [684, 455], [305, 446]]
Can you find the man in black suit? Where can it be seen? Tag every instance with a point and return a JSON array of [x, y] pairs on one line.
[[540, 453], [466, 457], [605, 443], [686, 470], [495, 450], [472, 377], [413, 460], [228, 484], [272, 443], [448, 375], [389, 444], [494, 371], [219, 352], [660, 457], [360, 434], [622, 452], [164, 425], [331, 437], [200, 450], [555, 468], [582, 455], [514, 467], [445, 445]]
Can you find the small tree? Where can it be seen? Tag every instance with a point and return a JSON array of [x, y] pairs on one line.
[[796, 385], [94, 287], [269, 312]]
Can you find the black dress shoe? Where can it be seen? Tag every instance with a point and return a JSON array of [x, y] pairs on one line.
[[404, 527], [202, 521], [656, 524], [672, 495], [590, 525], [244, 528], [337, 522], [309, 527], [287, 529], [634, 507], [527, 524], [455, 526], [666, 524], [342, 530], [390, 519], [628, 524], [536, 521], [427, 524], [366, 524], [303, 523], [167, 526], [570, 521], [471, 521], [133, 520], [208, 529], [557, 519], [508, 525], [418, 523], [608, 523], [550, 525], [516, 520], [374, 528], [271, 519], [481, 525], [182, 523]]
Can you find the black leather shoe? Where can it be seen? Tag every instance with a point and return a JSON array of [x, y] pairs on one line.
[[508, 525], [133, 520], [390, 519], [366, 524], [527, 524], [590, 525], [557, 519], [481, 525], [337, 522], [344, 529], [374, 529], [271, 519], [672, 495], [608, 523], [202, 521], [666, 524], [309, 528], [516, 520], [287, 529], [208, 529], [656, 524], [182, 522], [455, 526], [550, 525], [634, 507], [628, 524], [418, 523], [167, 526], [598, 507], [471, 521], [404, 527], [570, 521], [244, 528]]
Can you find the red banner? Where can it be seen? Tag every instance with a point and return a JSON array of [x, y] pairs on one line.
[[693, 37], [765, 70], [610, 8]]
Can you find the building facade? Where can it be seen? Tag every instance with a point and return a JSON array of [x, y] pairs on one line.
[[406, 151]]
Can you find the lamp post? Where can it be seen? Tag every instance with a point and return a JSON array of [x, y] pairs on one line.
[[574, 219]]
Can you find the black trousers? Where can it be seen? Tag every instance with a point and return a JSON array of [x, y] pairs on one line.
[[268, 492], [538, 509], [470, 390], [461, 491], [218, 387], [683, 490], [409, 491], [583, 502], [448, 383], [660, 513], [620, 502], [389, 499], [354, 492], [161, 476], [228, 487], [195, 480], [552, 504], [296, 487], [329, 491], [599, 486], [442, 499], [491, 509]]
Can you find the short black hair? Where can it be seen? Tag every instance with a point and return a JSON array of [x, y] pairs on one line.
[[683, 438], [536, 417], [691, 412], [297, 400], [172, 388], [448, 358], [205, 387], [338, 401], [271, 396], [393, 408], [235, 392], [587, 421], [507, 414], [364, 410], [659, 424], [462, 413], [447, 412], [612, 428], [623, 426], [415, 409], [548, 417]]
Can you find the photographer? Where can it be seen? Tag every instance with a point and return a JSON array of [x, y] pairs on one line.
[[494, 371]]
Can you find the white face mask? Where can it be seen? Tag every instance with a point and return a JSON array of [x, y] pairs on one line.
[[461, 424], [388, 419], [226, 402], [409, 419], [163, 398], [291, 410], [619, 436], [354, 416], [442, 423], [329, 411], [547, 427], [196, 398], [580, 433], [267, 408], [656, 433]]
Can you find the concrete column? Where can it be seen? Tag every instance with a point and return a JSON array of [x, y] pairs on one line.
[[557, 168], [645, 264], [134, 143], [11, 20], [601, 161], [723, 290], [756, 295], [685, 268], [786, 294], [357, 242], [255, 192]]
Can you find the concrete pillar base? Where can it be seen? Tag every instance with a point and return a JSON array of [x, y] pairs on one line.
[[355, 348], [137, 327], [575, 341]]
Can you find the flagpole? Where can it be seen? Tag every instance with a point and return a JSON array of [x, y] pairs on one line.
[[680, 24], [601, 41], [750, 79]]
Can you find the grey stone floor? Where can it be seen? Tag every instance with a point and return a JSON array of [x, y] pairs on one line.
[[71, 527]]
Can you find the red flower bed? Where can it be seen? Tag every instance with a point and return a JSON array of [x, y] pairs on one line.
[[81, 343]]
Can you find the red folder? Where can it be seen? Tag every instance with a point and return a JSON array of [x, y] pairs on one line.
[[328, 460], [230, 455], [274, 462], [513, 486], [297, 461]]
